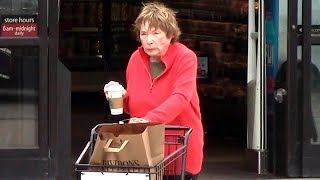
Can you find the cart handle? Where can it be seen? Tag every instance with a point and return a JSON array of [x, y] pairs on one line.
[[93, 131], [82, 153]]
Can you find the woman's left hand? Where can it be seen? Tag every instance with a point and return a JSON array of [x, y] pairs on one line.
[[138, 120]]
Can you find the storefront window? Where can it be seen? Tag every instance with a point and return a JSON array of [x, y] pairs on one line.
[[19, 97]]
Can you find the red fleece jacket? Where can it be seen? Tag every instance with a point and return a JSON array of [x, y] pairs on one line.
[[171, 98]]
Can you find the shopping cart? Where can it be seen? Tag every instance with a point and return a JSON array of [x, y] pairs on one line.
[[172, 167]]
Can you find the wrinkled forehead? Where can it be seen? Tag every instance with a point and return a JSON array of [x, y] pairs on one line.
[[148, 25]]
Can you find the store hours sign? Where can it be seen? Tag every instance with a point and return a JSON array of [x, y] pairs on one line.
[[19, 26]]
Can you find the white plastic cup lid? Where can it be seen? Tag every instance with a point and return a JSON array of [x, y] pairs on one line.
[[114, 87]]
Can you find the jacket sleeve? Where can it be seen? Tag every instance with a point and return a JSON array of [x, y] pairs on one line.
[[184, 89], [126, 100]]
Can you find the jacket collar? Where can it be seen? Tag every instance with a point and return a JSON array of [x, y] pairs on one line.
[[167, 59]]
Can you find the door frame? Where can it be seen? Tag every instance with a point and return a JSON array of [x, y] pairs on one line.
[[291, 119], [52, 160], [32, 162], [59, 106]]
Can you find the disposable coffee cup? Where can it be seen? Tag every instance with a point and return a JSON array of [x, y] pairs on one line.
[[115, 99]]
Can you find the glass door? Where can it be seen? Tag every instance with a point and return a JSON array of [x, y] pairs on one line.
[[300, 125], [24, 148], [309, 53]]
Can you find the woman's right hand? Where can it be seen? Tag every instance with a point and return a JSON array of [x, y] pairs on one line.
[[138, 120], [110, 83]]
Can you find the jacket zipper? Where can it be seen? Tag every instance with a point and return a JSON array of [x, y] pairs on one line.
[[151, 86], [152, 81]]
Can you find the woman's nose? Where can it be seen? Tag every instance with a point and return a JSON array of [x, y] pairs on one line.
[[149, 39]]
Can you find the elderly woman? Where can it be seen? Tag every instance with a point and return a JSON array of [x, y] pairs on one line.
[[161, 80]]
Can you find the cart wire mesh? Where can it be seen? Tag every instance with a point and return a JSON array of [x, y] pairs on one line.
[[172, 167]]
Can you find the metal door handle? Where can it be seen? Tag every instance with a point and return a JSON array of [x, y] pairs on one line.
[[279, 93]]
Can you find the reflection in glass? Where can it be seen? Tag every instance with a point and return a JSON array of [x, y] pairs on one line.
[[313, 124], [315, 19], [5, 6], [18, 7], [315, 93], [19, 98]]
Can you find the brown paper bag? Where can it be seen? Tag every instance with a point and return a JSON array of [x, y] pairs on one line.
[[137, 144]]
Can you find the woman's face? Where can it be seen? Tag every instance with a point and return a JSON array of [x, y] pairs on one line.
[[154, 41]]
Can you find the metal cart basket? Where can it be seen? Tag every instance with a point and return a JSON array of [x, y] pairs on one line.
[[172, 167]]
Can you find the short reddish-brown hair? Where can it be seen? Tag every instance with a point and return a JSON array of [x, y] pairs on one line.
[[158, 16]]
